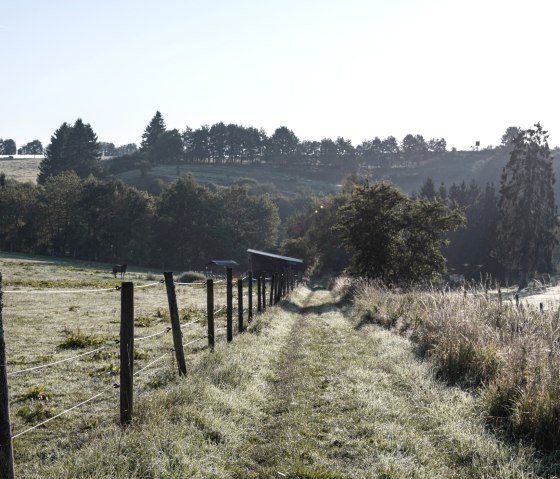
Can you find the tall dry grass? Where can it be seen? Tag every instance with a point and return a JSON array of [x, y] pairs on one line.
[[510, 355]]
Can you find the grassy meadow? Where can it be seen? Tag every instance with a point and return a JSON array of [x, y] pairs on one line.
[[509, 355], [21, 170], [313, 390]]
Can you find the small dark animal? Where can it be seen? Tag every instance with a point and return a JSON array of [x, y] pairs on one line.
[[119, 268]]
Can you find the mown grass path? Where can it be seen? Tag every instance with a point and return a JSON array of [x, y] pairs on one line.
[[350, 400]]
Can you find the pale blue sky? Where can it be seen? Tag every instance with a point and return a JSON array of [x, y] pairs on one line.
[[462, 70]]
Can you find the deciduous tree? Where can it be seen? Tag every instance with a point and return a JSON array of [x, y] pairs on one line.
[[393, 237]]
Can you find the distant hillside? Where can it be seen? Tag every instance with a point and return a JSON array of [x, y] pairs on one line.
[[454, 167], [276, 180], [450, 167]]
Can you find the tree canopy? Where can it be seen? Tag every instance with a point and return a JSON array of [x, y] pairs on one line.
[[395, 238], [527, 212], [71, 148]]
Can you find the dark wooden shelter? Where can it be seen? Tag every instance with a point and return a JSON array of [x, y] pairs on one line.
[[263, 262]]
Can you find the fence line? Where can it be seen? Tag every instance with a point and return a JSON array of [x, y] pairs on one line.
[[228, 328], [153, 335], [13, 373], [54, 291]]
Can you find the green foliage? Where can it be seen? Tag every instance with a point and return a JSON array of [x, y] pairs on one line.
[[152, 133], [71, 148], [7, 147], [192, 277], [77, 339], [393, 237], [527, 212], [471, 250], [36, 393], [34, 147]]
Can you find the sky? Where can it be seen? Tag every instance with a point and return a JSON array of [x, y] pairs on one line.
[[454, 69]]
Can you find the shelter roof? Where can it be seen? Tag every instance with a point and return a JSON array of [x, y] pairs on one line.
[[275, 256]]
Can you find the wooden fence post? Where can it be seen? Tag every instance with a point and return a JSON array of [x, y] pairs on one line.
[[210, 312], [6, 449], [175, 324], [240, 305], [276, 287], [264, 292], [250, 297], [127, 351], [259, 293], [272, 288], [229, 305]]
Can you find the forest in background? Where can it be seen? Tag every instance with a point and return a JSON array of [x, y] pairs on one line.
[[302, 223]]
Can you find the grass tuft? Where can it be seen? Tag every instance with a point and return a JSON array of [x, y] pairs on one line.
[[77, 340]]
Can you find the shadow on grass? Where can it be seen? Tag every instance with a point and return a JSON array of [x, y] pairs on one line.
[[318, 309]]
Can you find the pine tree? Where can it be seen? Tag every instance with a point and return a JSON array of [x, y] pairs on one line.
[[54, 160], [71, 148], [527, 213], [428, 190], [82, 150], [153, 131]]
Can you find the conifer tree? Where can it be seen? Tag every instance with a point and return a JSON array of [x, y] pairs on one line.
[[71, 148], [54, 160], [527, 213], [153, 131]]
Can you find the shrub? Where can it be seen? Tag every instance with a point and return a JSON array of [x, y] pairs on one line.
[[192, 277]]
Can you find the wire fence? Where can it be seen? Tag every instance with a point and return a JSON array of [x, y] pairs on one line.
[[154, 335]]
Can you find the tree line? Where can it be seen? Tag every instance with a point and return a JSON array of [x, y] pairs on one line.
[[235, 144], [382, 233], [97, 220], [371, 229]]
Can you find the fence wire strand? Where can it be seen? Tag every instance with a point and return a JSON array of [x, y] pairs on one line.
[[59, 414], [13, 373], [192, 322], [195, 341], [53, 291], [166, 330], [152, 363]]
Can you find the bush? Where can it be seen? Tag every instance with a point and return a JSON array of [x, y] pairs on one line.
[[192, 277]]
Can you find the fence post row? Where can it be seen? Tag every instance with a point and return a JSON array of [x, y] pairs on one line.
[[6, 450], [175, 324], [210, 310], [250, 297], [127, 351], [229, 308], [240, 305]]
